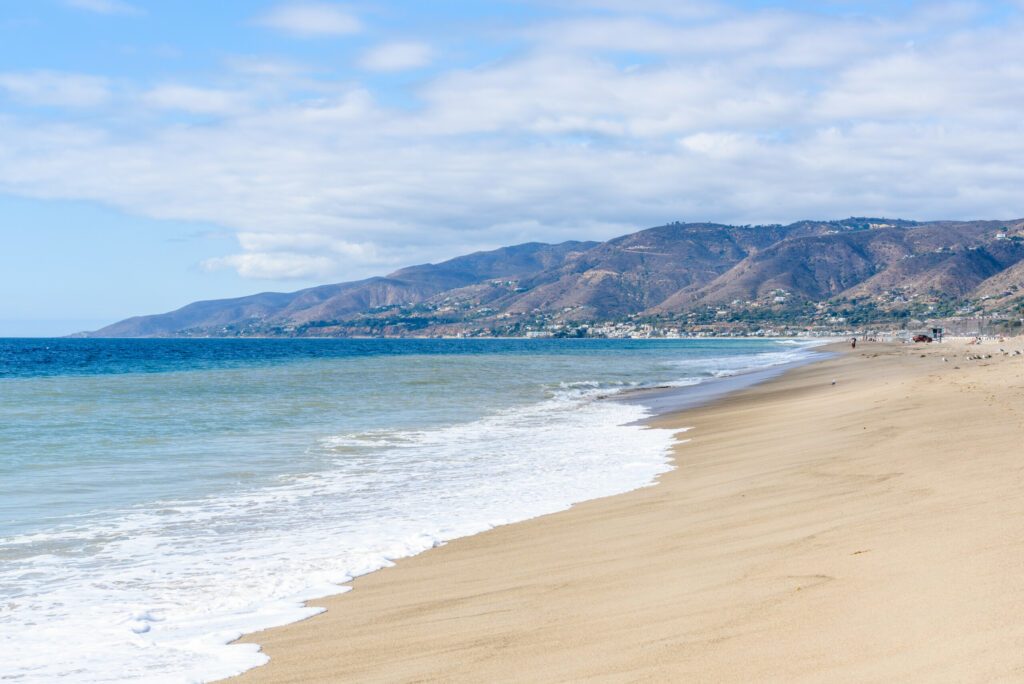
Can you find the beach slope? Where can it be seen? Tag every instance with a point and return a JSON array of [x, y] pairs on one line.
[[870, 530]]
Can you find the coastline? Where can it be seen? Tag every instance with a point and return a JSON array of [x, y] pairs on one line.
[[666, 400], [800, 516], [340, 483]]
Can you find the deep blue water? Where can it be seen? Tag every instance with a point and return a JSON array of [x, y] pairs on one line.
[[39, 357]]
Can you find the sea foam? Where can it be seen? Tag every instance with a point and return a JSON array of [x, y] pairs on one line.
[[165, 588], [155, 588]]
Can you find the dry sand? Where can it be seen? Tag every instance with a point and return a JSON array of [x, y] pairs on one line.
[[870, 531]]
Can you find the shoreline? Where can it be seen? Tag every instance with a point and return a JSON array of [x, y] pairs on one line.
[[669, 399], [662, 402], [655, 400], [304, 538], [740, 565]]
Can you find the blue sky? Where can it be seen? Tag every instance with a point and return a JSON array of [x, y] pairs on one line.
[[155, 153]]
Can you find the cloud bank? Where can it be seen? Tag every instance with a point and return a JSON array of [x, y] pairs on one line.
[[611, 117]]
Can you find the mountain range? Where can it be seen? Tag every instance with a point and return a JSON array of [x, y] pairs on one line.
[[685, 274]]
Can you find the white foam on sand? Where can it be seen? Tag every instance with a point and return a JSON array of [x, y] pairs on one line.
[[156, 594], [727, 366]]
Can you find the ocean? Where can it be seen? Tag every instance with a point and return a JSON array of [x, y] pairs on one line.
[[159, 498]]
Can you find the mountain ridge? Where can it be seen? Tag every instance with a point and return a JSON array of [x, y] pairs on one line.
[[682, 274]]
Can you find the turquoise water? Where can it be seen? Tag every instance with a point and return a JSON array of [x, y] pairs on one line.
[[160, 497]]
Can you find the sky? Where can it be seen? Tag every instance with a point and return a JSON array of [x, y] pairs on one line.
[[157, 152]]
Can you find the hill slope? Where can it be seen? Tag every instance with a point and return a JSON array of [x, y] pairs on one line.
[[338, 301], [669, 272]]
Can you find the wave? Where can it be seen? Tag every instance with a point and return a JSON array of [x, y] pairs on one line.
[[726, 366], [163, 589]]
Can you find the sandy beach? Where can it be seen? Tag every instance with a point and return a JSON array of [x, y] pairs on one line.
[[870, 530]]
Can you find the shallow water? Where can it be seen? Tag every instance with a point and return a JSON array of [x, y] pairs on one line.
[[160, 497]]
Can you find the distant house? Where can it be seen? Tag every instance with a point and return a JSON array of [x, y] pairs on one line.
[[1002, 236]]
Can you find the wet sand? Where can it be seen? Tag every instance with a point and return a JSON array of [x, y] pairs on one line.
[[866, 531]]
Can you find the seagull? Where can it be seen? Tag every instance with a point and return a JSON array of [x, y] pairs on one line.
[[833, 382]]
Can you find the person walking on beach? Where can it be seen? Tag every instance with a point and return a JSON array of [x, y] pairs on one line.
[[853, 343]]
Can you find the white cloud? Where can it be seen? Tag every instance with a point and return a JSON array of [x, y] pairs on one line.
[[558, 93], [194, 100], [397, 56], [762, 116], [687, 9], [718, 145], [311, 19], [261, 66], [315, 243], [273, 266], [650, 35], [104, 6], [49, 88]]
